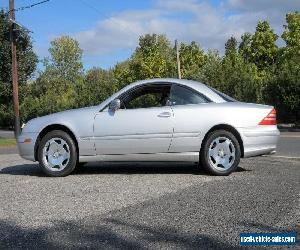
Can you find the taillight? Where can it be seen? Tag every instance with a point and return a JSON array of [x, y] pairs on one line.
[[270, 119]]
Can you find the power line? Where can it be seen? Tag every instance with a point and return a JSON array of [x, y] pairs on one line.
[[92, 7], [26, 7], [30, 6]]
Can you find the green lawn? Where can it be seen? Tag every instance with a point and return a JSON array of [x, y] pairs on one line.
[[7, 142]]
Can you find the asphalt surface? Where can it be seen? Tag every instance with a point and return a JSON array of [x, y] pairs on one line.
[[148, 205], [289, 144], [6, 134], [145, 206]]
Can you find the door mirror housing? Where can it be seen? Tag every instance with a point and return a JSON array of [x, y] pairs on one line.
[[114, 105]]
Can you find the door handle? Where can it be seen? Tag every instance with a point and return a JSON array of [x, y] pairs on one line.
[[164, 114]]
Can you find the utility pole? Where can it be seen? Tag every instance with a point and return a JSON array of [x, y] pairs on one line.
[[14, 69], [177, 59]]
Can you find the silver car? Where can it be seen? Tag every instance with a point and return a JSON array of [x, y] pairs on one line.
[[153, 120]]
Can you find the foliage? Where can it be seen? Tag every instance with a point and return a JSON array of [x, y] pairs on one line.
[[192, 58], [152, 58], [60, 85], [291, 34], [27, 61], [245, 46], [231, 75], [252, 70], [283, 90], [97, 85], [211, 72], [65, 58], [230, 46], [263, 48]]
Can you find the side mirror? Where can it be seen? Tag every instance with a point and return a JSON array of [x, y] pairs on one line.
[[114, 105]]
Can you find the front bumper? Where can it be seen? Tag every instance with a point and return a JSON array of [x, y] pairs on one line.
[[26, 149], [259, 140]]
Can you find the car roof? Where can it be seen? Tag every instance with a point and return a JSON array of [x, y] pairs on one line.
[[198, 86]]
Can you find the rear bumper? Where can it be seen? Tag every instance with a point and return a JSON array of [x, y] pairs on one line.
[[259, 140], [26, 150]]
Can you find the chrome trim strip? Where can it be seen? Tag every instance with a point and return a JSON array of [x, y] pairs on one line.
[[125, 137], [182, 157], [141, 136], [186, 134]]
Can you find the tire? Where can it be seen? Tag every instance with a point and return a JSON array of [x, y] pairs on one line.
[[57, 154], [221, 153]]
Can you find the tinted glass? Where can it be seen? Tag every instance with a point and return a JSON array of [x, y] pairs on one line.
[[146, 97], [225, 97], [183, 96]]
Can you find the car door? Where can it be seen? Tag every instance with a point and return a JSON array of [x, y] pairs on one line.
[[188, 120], [143, 124]]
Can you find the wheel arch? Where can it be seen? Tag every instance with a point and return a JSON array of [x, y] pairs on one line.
[[227, 128], [52, 127]]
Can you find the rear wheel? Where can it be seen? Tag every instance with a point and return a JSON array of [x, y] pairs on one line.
[[57, 154], [221, 153]]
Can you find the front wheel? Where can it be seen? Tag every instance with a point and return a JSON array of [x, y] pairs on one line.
[[57, 154], [221, 153]]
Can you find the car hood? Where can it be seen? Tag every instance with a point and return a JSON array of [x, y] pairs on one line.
[[62, 118]]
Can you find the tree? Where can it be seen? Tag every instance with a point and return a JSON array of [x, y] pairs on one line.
[[240, 77], [123, 74], [57, 87], [256, 71], [27, 61], [49, 93], [245, 46], [283, 90], [230, 51], [98, 85], [152, 58], [65, 58], [211, 72], [260, 49], [230, 46], [192, 58], [231, 75], [263, 46], [291, 34]]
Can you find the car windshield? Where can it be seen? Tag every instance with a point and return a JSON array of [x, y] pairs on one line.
[[223, 96]]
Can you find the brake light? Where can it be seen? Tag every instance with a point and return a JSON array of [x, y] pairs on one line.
[[270, 119]]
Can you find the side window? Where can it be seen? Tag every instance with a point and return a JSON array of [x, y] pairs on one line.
[[183, 96], [146, 97]]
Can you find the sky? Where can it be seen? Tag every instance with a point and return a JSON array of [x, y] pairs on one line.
[[108, 30]]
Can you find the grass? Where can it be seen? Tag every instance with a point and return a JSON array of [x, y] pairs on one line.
[[7, 142]]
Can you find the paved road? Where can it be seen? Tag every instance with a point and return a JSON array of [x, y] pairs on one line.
[[145, 206], [289, 144], [6, 134], [148, 205]]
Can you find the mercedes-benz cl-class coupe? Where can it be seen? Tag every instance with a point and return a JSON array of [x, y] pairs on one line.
[[153, 120]]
